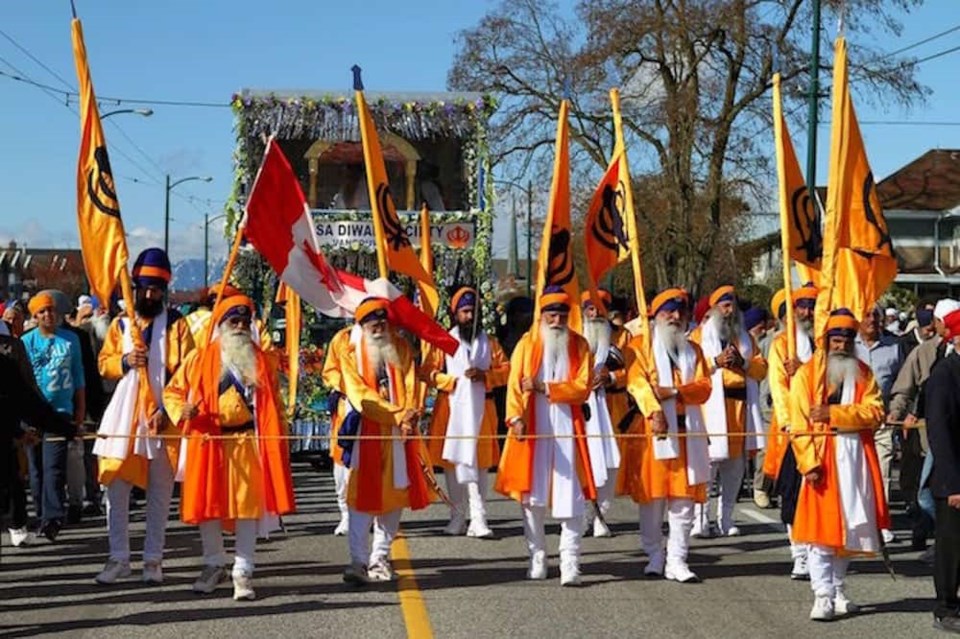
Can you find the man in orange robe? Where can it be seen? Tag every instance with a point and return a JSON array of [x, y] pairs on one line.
[[465, 411], [242, 481], [549, 382], [386, 462], [667, 472], [841, 507], [337, 403], [732, 412]]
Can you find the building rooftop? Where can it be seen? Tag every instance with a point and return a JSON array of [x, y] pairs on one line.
[[929, 183]]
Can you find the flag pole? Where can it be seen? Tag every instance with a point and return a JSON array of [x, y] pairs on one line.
[[358, 95], [779, 133]]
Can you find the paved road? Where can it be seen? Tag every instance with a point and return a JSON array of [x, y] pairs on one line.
[[470, 588]]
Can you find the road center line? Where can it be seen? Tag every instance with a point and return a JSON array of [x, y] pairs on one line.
[[411, 601]]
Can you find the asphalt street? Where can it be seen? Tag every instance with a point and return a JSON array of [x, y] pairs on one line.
[[467, 587]]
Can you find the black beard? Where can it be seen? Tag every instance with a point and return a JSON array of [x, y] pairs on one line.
[[148, 309], [466, 331]]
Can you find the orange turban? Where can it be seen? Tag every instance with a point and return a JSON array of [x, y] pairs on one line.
[[371, 308], [229, 305], [723, 294], [41, 301], [674, 295], [778, 304]]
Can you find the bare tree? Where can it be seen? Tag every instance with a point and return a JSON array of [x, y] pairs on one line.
[[694, 78]]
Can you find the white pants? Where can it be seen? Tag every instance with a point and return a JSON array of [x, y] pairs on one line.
[[570, 531], [680, 518], [731, 478], [606, 493], [797, 550], [827, 571], [159, 493], [473, 493], [385, 528], [244, 545], [341, 480]]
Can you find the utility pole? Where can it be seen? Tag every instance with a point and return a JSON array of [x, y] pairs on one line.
[[206, 250], [813, 106], [529, 238], [166, 219]]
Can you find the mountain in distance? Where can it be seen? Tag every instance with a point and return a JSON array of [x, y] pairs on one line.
[[188, 274]]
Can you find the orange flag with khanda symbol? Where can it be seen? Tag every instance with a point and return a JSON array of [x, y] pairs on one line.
[[102, 238]]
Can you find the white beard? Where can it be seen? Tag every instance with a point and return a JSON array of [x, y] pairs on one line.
[[598, 332], [728, 329], [237, 353], [555, 343], [839, 367], [101, 324], [381, 351], [805, 326], [672, 337]]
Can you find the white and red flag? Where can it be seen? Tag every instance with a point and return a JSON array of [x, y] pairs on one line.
[[279, 226]]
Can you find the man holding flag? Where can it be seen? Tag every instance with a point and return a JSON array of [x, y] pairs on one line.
[[337, 404]]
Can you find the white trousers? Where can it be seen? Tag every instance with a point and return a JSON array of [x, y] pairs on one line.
[[385, 528], [472, 494], [606, 493], [797, 550], [244, 545], [159, 493], [827, 571], [680, 520], [730, 472], [571, 529], [341, 480]]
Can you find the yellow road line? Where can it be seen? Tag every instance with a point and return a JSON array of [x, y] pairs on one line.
[[411, 601]]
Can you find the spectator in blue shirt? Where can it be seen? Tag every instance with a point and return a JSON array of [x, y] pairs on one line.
[[58, 368]]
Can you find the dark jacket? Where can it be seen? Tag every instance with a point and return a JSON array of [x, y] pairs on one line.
[[943, 426]]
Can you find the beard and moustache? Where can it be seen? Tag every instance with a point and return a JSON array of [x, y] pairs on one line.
[[555, 342], [840, 367], [466, 331], [597, 331], [381, 350], [148, 308], [672, 337], [805, 326], [237, 353], [728, 327], [101, 324]]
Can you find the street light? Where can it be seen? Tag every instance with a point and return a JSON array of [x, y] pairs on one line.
[[144, 112], [206, 245], [166, 208], [529, 190]]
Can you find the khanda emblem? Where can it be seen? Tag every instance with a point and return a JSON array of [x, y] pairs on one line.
[[392, 228], [806, 227], [871, 206], [100, 185], [608, 227], [559, 258]]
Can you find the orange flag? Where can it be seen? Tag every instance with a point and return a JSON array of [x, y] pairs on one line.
[[555, 260], [428, 295], [394, 251], [102, 238], [294, 322], [859, 262]]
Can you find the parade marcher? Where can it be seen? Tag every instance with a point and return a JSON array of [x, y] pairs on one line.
[[732, 413], [129, 452], [601, 429], [755, 320], [841, 506], [666, 471], [55, 355], [549, 382], [780, 463], [337, 404], [464, 421], [617, 400], [387, 471], [238, 479], [943, 429]]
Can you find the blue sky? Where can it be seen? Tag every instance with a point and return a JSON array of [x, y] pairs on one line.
[[206, 51]]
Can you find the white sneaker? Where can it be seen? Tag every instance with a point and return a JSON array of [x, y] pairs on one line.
[[356, 574], [600, 529], [654, 567], [209, 579], [569, 574], [701, 532], [888, 536], [800, 572], [243, 588], [152, 572], [22, 537], [538, 566], [342, 528], [457, 525], [681, 573], [112, 571], [733, 531], [822, 609], [380, 571], [479, 529], [842, 605]]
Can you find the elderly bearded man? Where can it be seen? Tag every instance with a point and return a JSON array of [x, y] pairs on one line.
[[464, 418], [128, 451], [841, 507], [550, 373], [668, 472], [602, 442], [338, 407], [386, 473], [732, 412], [237, 467]]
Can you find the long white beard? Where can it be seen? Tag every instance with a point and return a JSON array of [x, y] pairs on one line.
[[839, 367], [555, 343], [101, 324], [672, 337], [598, 332], [728, 328], [237, 353], [380, 351]]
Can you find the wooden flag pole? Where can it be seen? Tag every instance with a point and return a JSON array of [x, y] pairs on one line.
[[784, 219]]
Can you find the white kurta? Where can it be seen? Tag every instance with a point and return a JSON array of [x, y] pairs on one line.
[[857, 497], [604, 452]]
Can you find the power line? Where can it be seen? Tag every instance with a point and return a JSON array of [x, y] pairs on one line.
[[35, 59], [920, 43], [936, 55]]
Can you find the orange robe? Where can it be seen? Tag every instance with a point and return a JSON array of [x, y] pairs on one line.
[[179, 344], [515, 473], [644, 477], [333, 379], [433, 372], [819, 517], [778, 437]]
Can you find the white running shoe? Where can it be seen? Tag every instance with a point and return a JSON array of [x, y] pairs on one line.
[[112, 571], [479, 529], [342, 528], [733, 531], [152, 572], [243, 588], [842, 605], [22, 537], [569, 574], [380, 571], [800, 572], [209, 579], [681, 573], [888, 536], [538, 566], [822, 609], [600, 529]]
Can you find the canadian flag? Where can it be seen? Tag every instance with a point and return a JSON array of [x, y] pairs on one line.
[[279, 226]]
